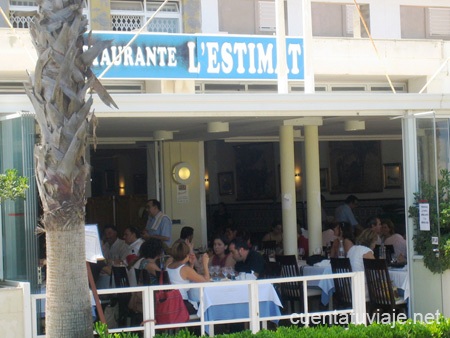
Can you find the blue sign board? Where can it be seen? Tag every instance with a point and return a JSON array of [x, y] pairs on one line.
[[183, 56]]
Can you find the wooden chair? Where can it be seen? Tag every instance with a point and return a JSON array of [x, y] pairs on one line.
[[120, 277], [271, 269], [342, 286], [381, 292], [291, 292]]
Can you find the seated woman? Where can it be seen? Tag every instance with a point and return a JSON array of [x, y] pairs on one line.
[[221, 256], [151, 250], [394, 239], [365, 243], [182, 273], [276, 234], [345, 233]]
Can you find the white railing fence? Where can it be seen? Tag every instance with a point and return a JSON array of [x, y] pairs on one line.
[[255, 322]]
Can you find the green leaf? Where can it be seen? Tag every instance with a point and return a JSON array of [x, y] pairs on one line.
[[12, 186]]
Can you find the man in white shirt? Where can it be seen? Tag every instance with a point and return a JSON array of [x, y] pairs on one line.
[[159, 225], [115, 251], [133, 238]]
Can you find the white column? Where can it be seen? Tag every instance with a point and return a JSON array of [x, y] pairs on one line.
[[313, 187], [411, 184], [288, 201]]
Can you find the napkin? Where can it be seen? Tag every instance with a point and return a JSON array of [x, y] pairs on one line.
[[324, 263]]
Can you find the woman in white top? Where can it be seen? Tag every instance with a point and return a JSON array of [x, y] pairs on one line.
[[182, 273], [365, 243]]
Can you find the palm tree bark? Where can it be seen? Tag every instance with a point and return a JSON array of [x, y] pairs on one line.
[[58, 89]]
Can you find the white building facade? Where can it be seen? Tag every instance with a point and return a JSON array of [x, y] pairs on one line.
[[383, 64]]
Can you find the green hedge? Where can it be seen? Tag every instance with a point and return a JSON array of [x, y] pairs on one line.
[[440, 328], [434, 329]]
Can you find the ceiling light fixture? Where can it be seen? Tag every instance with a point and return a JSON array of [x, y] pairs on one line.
[[218, 127], [163, 135], [353, 125]]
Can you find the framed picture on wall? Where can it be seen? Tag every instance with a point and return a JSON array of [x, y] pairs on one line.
[[355, 167], [226, 183], [255, 172], [392, 176]]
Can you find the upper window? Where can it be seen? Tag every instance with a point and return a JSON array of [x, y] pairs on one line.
[[132, 15], [21, 12], [339, 20], [425, 22]]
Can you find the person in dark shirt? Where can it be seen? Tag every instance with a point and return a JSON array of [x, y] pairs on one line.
[[246, 260]]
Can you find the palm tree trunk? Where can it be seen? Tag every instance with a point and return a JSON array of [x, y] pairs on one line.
[[67, 311], [60, 82]]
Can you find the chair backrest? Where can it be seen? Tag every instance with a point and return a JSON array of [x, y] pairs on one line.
[[379, 283], [342, 286], [291, 291], [289, 265], [120, 276], [272, 269]]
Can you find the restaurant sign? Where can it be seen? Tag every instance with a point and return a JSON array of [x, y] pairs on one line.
[[183, 56]]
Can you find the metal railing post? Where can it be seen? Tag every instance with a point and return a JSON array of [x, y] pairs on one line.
[[359, 298], [253, 307]]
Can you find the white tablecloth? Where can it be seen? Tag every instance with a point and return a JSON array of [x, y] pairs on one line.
[[400, 278], [326, 285], [232, 302], [233, 294]]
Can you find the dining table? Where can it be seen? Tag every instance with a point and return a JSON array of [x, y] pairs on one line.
[[399, 277], [231, 301]]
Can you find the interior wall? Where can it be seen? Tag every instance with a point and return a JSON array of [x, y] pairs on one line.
[[220, 158], [118, 171], [183, 206]]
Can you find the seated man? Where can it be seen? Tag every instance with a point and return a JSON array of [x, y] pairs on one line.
[[246, 260]]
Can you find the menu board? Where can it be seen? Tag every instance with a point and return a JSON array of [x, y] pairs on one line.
[[93, 244]]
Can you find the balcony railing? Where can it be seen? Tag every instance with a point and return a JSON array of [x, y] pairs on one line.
[[357, 312]]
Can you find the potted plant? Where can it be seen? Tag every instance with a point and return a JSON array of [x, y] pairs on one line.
[[436, 257]]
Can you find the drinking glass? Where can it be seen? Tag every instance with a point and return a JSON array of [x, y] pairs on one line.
[[214, 271], [393, 258], [232, 273]]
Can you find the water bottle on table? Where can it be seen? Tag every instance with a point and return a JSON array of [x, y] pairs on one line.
[[341, 251]]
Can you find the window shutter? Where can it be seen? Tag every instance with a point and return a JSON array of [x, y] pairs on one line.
[[439, 22], [267, 19], [349, 21]]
